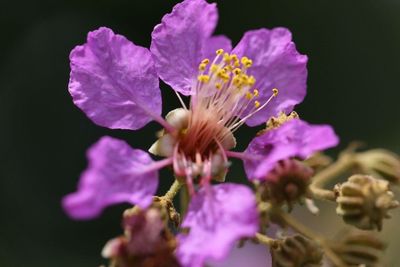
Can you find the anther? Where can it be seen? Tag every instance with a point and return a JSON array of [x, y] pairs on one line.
[[257, 104], [255, 92], [251, 81], [219, 51], [203, 78], [237, 71], [202, 66], [205, 61], [249, 95], [214, 68], [275, 91], [227, 58]]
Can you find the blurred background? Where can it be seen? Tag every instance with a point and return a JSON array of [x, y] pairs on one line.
[[353, 84]]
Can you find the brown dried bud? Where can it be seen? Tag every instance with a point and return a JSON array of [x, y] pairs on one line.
[[287, 183], [147, 242], [275, 122], [380, 163], [364, 201], [359, 248], [296, 251]]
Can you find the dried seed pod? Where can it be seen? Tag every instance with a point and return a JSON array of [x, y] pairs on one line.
[[380, 163], [296, 251], [357, 248], [287, 183], [364, 201]]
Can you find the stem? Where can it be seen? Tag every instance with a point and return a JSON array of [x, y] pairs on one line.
[[173, 190], [345, 162], [183, 200], [301, 228], [266, 240]]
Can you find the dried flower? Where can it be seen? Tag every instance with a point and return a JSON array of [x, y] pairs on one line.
[[296, 251], [380, 163], [287, 183], [364, 201], [357, 248], [147, 242]]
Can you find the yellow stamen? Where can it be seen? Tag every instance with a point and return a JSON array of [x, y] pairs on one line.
[[202, 66], [257, 104], [227, 58], [218, 86], [249, 95], [251, 80], [237, 71], [255, 92], [205, 61], [219, 51], [203, 78], [214, 68], [275, 91]]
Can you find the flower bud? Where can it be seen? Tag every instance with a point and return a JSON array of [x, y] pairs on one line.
[[287, 183], [296, 251], [364, 201], [380, 163], [359, 248]]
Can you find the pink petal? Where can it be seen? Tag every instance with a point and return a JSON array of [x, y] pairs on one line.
[[114, 81], [276, 64], [218, 216], [295, 138], [178, 42], [116, 173]]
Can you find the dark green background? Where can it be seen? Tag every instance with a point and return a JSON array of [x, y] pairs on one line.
[[354, 76]]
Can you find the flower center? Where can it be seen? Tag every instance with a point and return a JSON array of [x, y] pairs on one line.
[[225, 93], [224, 98]]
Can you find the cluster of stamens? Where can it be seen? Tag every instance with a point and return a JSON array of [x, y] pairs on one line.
[[227, 74], [224, 97]]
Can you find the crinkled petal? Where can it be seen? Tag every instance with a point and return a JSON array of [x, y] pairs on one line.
[[295, 138], [276, 64], [218, 216], [178, 42], [116, 173], [114, 81]]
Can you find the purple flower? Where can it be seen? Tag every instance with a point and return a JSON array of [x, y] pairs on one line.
[[218, 216], [295, 138], [115, 83]]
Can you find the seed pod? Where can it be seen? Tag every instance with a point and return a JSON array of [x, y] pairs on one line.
[[357, 248], [287, 183], [380, 163], [296, 251], [364, 201]]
